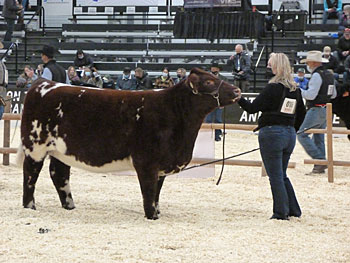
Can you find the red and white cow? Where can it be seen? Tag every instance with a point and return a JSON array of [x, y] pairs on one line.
[[101, 130]]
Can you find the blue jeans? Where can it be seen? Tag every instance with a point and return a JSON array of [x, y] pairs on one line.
[[215, 117], [276, 145], [333, 15], [1, 111], [10, 28], [316, 118]]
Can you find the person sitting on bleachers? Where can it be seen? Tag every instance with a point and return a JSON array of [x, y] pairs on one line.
[[126, 81], [181, 75], [82, 59], [73, 76], [26, 79], [142, 80], [332, 9], [95, 79], [301, 80], [344, 45], [333, 63], [164, 80], [345, 19], [85, 75], [39, 70]]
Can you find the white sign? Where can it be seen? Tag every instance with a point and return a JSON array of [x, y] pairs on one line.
[[117, 2]]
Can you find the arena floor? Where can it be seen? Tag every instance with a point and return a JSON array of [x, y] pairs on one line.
[[200, 222]]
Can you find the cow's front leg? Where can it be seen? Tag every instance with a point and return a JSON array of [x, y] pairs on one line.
[[148, 183], [31, 170], [60, 174], [159, 187]]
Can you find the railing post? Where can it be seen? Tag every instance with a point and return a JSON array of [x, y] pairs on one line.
[[7, 127], [330, 143]]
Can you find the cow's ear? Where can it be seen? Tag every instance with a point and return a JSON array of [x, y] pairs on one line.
[[193, 81]]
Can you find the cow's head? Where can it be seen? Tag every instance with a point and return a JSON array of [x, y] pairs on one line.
[[205, 83]]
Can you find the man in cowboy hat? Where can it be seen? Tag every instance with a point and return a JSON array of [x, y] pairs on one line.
[[320, 89], [52, 71]]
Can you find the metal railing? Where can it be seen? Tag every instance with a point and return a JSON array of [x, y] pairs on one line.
[[11, 47], [41, 12], [256, 66]]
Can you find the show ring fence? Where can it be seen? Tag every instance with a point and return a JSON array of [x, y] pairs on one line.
[[6, 150]]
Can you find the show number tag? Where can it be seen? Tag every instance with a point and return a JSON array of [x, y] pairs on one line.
[[330, 90], [289, 106]]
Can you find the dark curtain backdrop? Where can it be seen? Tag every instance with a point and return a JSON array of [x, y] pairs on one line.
[[210, 24]]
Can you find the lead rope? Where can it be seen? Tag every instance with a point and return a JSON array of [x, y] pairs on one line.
[[223, 148]]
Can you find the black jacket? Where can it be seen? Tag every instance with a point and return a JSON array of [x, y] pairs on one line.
[[269, 101], [10, 9], [343, 44], [85, 61], [144, 83], [57, 71]]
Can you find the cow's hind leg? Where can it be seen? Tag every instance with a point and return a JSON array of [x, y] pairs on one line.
[[159, 187], [148, 183], [31, 170], [60, 174]]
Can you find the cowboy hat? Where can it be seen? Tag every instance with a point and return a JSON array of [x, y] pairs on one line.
[[314, 56], [49, 51]]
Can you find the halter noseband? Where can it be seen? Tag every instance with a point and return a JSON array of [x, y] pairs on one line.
[[214, 93]]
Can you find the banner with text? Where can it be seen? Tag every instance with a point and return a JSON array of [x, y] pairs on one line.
[[234, 113], [116, 2]]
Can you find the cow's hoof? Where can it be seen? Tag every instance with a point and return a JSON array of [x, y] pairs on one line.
[[68, 207], [154, 217], [30, 205]]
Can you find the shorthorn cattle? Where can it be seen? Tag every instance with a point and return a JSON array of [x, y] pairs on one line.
[[101, 130]]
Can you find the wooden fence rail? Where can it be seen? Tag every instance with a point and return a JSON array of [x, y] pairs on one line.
[[329, 131]]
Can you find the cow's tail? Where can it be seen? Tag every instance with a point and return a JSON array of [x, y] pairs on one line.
[[20, 156]]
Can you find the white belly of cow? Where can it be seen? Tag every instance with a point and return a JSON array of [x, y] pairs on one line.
[[70, 160]]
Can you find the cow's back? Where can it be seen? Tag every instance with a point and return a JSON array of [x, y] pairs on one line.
[[85, 127]]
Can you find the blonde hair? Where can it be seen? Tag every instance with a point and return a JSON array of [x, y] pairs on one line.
[[280, 63]]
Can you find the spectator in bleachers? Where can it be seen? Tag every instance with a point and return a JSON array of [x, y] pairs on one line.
[[345, 19], [301, 80], [86, 75], [82, 60], [108, 82], [216, 115], [346, 74], [344, 45], [25, 4], [332, 9], [333, 64], [39, 70], [10, 11], [126, 81], [95, 79], [180, 75], [240, 63], [26, 78], [164, 80], [73, 76], [142, 80]]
